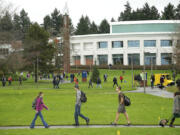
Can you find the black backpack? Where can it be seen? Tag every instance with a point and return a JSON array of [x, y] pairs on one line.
[[34, 104], [83, 97], [127, 101]]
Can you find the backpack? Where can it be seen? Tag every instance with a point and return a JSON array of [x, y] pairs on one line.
[[127, 101], [34, 104], [83, 97]]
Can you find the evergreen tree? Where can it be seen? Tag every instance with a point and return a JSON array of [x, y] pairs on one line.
[[37, 51], [126, 15], [93, 28], [178, 12], [154, 13], [169, 12], [24, 21], [95, 74], [56, 22], [104, 27], [112, 19], [83, 27]]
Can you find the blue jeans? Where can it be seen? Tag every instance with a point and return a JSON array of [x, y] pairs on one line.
[[42, 119], [78, 113]]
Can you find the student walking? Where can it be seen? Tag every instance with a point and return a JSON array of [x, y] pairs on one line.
[[105, 77], [10, 80], [152, 81], [121, 108], [115, 82], [39, 107], [98, 83], [20, 80], [3, 81], [78, 107], [121, 78], [90, 83]]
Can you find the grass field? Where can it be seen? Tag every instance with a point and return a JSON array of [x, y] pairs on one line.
[[94, 131], [16, 101]]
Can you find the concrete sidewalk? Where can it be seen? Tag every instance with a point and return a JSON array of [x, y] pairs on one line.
[[84, 126], [154, 91]]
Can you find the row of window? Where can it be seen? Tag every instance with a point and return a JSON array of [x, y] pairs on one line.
[[4, 51], [149, 58], [135, 43]]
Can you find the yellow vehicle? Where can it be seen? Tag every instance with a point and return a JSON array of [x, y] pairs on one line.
[[167, 79]]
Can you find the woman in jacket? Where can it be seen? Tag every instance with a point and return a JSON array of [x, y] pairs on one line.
[[39, 107], [176, 108]]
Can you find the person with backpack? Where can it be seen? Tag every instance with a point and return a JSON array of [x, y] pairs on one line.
[[39, 105], [121, 108], [115, 82], [80, 96]]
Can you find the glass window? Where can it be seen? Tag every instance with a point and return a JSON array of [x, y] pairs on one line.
[[4, 51], [89, 57], [117, 44], [133, 43], [117, 59], [102, 44], [149, 43], [103, 59], [135, 58], [166, 58], [165, 43], [150, 58]]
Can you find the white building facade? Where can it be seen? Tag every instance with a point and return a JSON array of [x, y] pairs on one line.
[[137, 42]]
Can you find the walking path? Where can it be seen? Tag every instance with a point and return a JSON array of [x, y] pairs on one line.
[[154, 91], [84, 126]]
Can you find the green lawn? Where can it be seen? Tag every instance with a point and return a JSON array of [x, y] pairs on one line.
[[16, 101], [94, 131]]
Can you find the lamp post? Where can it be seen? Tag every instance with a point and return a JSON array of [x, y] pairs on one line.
[[144, 75], [132, 68]]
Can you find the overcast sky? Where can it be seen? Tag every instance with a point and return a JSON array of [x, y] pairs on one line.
[[97, 10]]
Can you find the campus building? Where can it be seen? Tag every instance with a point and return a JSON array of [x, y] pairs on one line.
[[149, 42]]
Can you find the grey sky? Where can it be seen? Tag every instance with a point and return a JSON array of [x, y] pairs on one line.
[[97, 10]]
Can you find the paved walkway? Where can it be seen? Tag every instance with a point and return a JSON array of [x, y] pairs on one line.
[[84, 126], [154, 91]]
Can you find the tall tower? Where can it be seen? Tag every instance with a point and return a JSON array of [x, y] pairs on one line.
[[66, 40]]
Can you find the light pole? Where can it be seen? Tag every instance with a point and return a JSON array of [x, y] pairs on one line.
[[132, 68], [144, 75]]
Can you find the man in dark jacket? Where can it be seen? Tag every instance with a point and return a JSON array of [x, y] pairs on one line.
[[3, 81], [115, 82]]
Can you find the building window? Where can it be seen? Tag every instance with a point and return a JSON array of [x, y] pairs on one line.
[[166, 58], [4, 51], [166, 43], [135, 58], [103, 59], [102, 44], [149, 43], [117, 59], [89, 60], [150, 58], [117, 44], [77, 60], [133, 43]]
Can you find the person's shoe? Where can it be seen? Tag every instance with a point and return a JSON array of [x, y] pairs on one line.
[[31, 127], [172, 126], [128, 124], [87, 121], [113, 123], [75, 124], [47, 127]]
